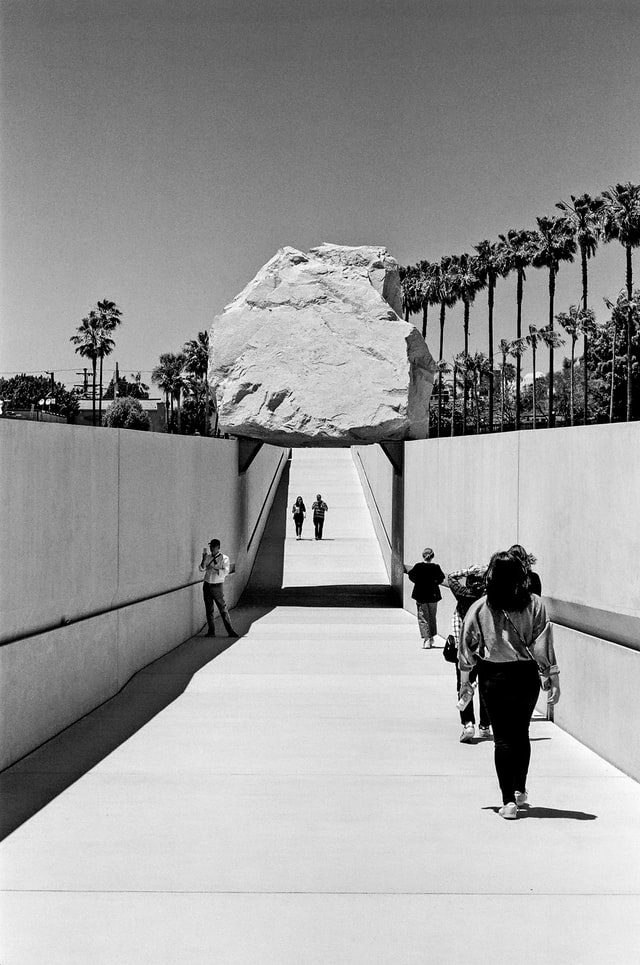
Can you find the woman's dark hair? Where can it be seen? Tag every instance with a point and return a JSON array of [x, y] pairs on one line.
[[520, 553], [507, 583]]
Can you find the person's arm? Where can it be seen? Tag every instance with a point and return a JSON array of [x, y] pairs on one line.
[[206, 559], [467, 652], [543, 650]]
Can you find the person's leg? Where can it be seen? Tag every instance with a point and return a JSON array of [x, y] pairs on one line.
[[208, 607], [316, 526], [423, 621], [320, 527], [530, 687], [218, 596], [502, 699], [483, 715], [466, 716], [433, 624]]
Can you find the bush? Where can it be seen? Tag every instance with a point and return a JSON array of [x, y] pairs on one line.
[[126, 414]]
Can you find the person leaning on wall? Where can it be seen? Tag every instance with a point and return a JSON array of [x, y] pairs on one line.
[[426, 578]]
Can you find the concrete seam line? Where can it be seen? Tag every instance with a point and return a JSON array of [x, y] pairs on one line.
[[276, 477], [373, 497]]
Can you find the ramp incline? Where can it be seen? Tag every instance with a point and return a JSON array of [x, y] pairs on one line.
[[300, 795]]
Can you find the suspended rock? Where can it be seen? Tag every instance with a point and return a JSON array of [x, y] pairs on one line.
[[314, 352]]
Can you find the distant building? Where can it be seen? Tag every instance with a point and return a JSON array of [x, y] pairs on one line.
[[155, 409]]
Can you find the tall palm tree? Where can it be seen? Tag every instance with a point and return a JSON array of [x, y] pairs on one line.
[[474, 367], [428, 291], [622, 223], [537, 336], [466, 282], [517, 249], [168, 375], [108, 316], [490, 265], [411, 294], [457, 367], [444, 280], [578, 321], [505, 348], [625, 312], [555, 242], [586, 215], [86, 345], [196, 352]]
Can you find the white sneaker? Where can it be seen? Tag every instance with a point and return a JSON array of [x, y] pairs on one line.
[[522, 798], [484, 733], [509, 811], [468, 734]]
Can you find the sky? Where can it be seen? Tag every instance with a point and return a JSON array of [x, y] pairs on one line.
[[157, 153]]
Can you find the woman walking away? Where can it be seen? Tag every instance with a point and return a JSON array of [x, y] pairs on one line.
[[527, 560], [508, 637], [299, 512], [468, 586], [426, 578]]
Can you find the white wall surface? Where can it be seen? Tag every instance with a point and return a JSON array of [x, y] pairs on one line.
[[101, 536], [376, 476]]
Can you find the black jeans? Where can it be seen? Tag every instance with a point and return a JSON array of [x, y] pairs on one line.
[[467, 716], [510, 692], [214, 593], [298, 520], [318, 522]]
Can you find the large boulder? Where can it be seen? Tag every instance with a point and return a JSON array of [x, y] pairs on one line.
[[312, 352]]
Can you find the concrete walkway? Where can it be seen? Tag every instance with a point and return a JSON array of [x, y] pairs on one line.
[[302, 796]]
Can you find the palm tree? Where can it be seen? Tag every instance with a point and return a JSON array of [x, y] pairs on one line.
[[428, 291], [466, 283], [458, 366], [196, 352], [86, 343], [578, 321], [490, 264], [447, 297], [108, 317], [537, 336], [168, 375], [506, 371], [622, 223], [517, 248], [411, 295], [474, 367], [624, 311], [555, 242], [585, 214]]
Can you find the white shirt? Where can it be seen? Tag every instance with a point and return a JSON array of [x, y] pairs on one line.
[[213, 574]]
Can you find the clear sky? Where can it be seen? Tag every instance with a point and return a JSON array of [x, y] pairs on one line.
[[158, 152]]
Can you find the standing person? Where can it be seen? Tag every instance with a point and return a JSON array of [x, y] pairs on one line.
[[426, 578], [299, 512], [527, 560], [216, 566], [508, 636], [319, 509], [468, 586]]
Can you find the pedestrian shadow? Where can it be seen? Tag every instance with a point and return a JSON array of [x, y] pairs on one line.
[[549, 813]]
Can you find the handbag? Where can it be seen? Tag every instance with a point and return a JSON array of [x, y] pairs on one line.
[[545, 682], [450, 651]]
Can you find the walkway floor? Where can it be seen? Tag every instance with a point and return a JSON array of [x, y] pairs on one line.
[[302, 797]]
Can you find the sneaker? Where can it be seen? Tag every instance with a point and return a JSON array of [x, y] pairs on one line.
[[427, 644], [468, 734], [484, 733], [509, 811], [522, 798]]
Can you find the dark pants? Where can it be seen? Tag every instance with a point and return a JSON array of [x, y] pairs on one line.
[[214, 593], [467, 716], [427, 619], [318, 522], [298, 520], [510, 692]]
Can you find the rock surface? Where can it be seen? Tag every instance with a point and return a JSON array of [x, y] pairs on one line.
[[312, 352]]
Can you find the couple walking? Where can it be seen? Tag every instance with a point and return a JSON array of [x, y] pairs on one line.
[[299, 511]]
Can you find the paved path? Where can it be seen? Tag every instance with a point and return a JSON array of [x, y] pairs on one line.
[[303, 797]]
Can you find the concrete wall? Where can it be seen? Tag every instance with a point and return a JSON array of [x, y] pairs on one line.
[[376, 475], [102, 532], [572, 497]]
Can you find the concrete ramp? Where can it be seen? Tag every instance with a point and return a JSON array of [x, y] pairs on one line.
[[300, 796]]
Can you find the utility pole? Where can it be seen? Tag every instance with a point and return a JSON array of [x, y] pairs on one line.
[[115, 383]]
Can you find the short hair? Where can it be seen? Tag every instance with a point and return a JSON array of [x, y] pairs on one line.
[[427, 551], [507, 583], [216, 542]]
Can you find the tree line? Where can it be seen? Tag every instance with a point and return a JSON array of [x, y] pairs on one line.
[[611, 351]]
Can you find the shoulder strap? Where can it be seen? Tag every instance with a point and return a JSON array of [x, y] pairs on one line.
[[519, 635]]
